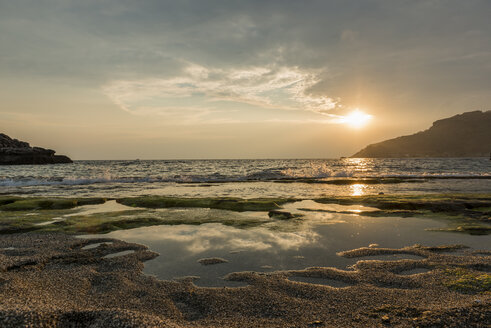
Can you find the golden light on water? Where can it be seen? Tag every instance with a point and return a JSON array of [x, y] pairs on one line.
[[358, 163], [357, 189], [357, 119]]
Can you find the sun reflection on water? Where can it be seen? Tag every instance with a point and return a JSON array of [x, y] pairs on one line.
[[357, 189], [358, 165]]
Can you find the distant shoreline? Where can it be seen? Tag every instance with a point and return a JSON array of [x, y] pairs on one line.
[[460, 136], [269, 159]]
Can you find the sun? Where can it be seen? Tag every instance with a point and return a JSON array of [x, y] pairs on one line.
[[357, 119]]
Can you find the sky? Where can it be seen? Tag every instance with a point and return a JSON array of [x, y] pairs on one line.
[[158, 79]]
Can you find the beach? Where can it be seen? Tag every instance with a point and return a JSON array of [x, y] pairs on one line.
[[51, 280], [294, 249]]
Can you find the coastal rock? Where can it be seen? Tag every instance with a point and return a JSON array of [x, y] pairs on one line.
[[15, 152], [464, 135], [211, 261], [281, 215]]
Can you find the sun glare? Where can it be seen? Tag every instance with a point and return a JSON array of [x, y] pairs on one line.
[[357, 189], [357, 119]]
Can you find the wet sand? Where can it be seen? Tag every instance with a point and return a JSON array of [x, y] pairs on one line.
[[56, 280]]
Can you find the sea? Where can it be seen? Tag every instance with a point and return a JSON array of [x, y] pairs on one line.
[[302, 178], [312, 239]]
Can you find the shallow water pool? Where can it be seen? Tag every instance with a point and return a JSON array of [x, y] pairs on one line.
[[310, 241]]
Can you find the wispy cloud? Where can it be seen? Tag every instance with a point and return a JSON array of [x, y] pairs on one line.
[[199, 92]]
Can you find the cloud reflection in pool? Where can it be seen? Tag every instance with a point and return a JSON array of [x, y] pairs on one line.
[[281, 245]]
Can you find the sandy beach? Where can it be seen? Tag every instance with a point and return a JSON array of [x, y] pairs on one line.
[[55, 280]]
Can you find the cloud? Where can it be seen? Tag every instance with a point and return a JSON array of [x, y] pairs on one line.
[[199, 92], [416, 57], [214, 237]]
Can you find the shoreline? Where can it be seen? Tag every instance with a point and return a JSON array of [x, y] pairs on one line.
[[56, 279]]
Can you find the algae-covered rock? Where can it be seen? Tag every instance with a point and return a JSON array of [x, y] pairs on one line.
[[8, 200], [466, 213], [27, 204], [95, 225], [471, 229], [212, 261], [281, 215], [25, 221], [75, 220], [468, 281], [431, 202], [231, 204]]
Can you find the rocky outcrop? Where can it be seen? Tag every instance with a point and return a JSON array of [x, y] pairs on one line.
[[464, 135], [15, 152]]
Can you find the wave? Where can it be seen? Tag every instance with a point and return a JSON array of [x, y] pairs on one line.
[[261, 176], [49, 182]]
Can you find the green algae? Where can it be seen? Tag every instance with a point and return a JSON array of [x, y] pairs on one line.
[[282, 215], [7, 200], [471, 229], [70, 222], [486, 210], [24, 221], [431, 202], [73, 224], [223, 203], [394, 213], [29, 204], [456, 222], [465, 213], [97, 223], [24, 214], [20, 221], [468, 281]]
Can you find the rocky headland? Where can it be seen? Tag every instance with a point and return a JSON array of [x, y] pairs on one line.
[[15, 152], [464, 135]]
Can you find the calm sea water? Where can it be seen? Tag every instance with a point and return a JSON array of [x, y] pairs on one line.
[[243, 178]]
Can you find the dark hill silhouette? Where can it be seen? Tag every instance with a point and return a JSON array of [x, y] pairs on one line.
[[464, 135], [15, 152]]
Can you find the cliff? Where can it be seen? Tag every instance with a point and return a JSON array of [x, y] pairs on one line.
[[15, 152], [464, 135]]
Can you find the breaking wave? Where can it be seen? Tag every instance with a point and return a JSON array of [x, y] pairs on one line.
[[262, 176]]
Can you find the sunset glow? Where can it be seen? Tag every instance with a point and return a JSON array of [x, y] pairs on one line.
[[357, 119], [158, 79]]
